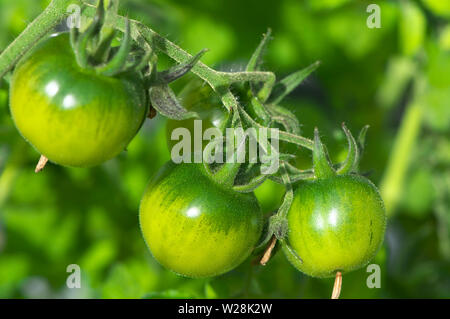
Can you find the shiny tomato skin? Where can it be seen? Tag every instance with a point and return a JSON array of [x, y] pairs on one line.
[[335, 224], [74, 116], [196, 227]]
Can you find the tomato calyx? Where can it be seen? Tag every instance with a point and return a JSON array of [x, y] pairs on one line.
[[322, 165], [93, 49], [226, 174]]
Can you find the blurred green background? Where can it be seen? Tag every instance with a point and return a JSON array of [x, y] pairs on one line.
[[395, 78]]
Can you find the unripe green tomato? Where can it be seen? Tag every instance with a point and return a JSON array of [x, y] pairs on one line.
[[74, 116], [198, 97], [335, 224], [195, 226]]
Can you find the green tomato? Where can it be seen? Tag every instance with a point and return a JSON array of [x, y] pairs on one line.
[[195, 226], [198, 97], [74, 116], [270, 195], [335, 224]]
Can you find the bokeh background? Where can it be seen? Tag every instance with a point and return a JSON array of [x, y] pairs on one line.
[[395, 78]]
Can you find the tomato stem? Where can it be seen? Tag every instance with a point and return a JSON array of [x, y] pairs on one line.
[[337, 286], [41, 164], [268, 252]]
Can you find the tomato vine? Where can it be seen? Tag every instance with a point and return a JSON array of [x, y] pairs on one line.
[[251, 97]]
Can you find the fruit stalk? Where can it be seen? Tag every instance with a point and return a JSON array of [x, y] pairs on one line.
[[268, 252], [41, 164], [337, 286]]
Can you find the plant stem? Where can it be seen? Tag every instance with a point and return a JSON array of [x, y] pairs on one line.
[[53, 14], [219, 81], [147, 39], [393, 179], [400, 157]]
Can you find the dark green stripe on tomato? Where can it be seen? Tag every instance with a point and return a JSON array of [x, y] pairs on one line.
[[196, 227]]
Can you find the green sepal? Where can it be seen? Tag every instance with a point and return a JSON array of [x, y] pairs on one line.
[[362, 139], [255, 65], [257, 58], [144, 62], [260, 110], [321, 163], [118, 62], [289, 83], [104, 47], [283, 136], [253, 184], [351, 162], [107, 32], [163, 99], [292, 255], [286, 118], [227, 173], [179, 70], [83, 40], [278, 225]]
